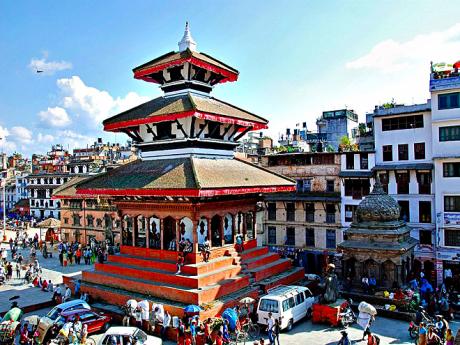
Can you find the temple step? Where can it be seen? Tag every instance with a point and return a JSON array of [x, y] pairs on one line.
[[287, 277], [156, 275], [168, 291], [260, 260], [270, 269], [170, 266], [253, 252]]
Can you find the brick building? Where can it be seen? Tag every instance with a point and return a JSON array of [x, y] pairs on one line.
[[309, 218], [85, 217]]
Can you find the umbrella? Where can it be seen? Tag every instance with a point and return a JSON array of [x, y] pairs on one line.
[[247, 300], [33, 319], [457, 64], [192, 309], [50, 223]]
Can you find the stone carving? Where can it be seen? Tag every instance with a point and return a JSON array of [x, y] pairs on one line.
[[331, 285]]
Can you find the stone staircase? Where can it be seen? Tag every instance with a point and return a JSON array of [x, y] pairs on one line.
[[228, 273]]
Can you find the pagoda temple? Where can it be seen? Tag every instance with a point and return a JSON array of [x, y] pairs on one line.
[[379, 244], [186, 185]]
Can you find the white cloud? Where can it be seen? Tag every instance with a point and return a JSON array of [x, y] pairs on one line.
[[394, 56], [55, 117], [92, 105], [48, 67], [21, 134], [45, 138], [5, 144]]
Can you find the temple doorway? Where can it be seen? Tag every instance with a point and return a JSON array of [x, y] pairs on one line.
[[250, 227], [154, 233], [140, 232], [216, 231], [228, 228], [169, 233]]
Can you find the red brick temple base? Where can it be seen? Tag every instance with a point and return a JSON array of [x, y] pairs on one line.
[[215, 285]]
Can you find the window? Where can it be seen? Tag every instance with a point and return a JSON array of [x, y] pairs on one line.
[[449, 101], [452, 238], [288, 304], [66, 220], [364, 161], [387, 153], [330, 213], [402, 180], [99, 222], [290, 211], [290, 236], [90, 220], [384, 178], [424, 212], [357, 188], [310, 212], [402, 122], [403, 152], [419, 150], [404, 211], [425, 237], [330, 238], [451, 133], [299, 299], [424, 182], [271, 208], [330, 186], [271, 235], [350, 213], [303, 185], [76, 220], [452, 204], [310, 237], [269, 305], [350, 161], [451, 169]]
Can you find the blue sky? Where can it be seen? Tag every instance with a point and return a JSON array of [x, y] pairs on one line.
[[296, 58]]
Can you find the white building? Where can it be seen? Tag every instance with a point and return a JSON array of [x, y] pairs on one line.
[[41, 187], [356, 182], [404, 165], [445, 113]]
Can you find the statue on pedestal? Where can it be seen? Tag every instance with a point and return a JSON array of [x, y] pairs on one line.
[[331, 290]]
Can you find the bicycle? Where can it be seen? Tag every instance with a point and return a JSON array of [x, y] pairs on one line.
[[252, 329]]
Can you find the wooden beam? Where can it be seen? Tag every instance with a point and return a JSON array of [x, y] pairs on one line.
[[206, 122], [150, 130], [243, 133], [192, 127], [237, 128], [226, 130], [181, 128], [127, 132]]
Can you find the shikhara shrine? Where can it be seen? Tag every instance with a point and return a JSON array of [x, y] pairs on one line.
[[187, 185]]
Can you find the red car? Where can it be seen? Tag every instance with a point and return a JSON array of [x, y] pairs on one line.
[[96, 322]]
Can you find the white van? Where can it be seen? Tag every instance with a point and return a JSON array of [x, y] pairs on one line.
[[288, 304]]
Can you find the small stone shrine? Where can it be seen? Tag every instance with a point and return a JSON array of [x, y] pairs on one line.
[[379, 244]]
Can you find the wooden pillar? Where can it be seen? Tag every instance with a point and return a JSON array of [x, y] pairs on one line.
[[177, 233], [162, 247], [147, 232], [234, 225], [195, 234], [134, 223], [221, 230], [208, 227], [254, 228], [245, 230]]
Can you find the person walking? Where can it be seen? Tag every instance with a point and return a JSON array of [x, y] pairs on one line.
[[78, 256], [276, 332], [18, 270], [422, 334], [344, 340], [449, 337], [372, 339], [270, 326], [166, 325]]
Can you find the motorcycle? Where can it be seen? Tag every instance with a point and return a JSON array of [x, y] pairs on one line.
[[413, 330], [347, 316]]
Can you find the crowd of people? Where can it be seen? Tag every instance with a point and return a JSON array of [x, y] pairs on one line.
[[71, 253]]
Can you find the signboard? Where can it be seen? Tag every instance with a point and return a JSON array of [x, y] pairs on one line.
[[444, 84], [451, 218]]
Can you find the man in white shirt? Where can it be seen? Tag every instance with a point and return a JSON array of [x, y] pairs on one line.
[[67, 295], [270, 324], [166, 325]]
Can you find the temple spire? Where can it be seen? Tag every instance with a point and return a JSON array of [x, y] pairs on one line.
[[187, 41]]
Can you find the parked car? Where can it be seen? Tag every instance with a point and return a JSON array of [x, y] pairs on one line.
[[96, 322], [47, 321], [127, 335], [288, 304]]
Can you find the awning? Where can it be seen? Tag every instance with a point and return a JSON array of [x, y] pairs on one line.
[[358, 174], [404, 166], [332, 197]]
